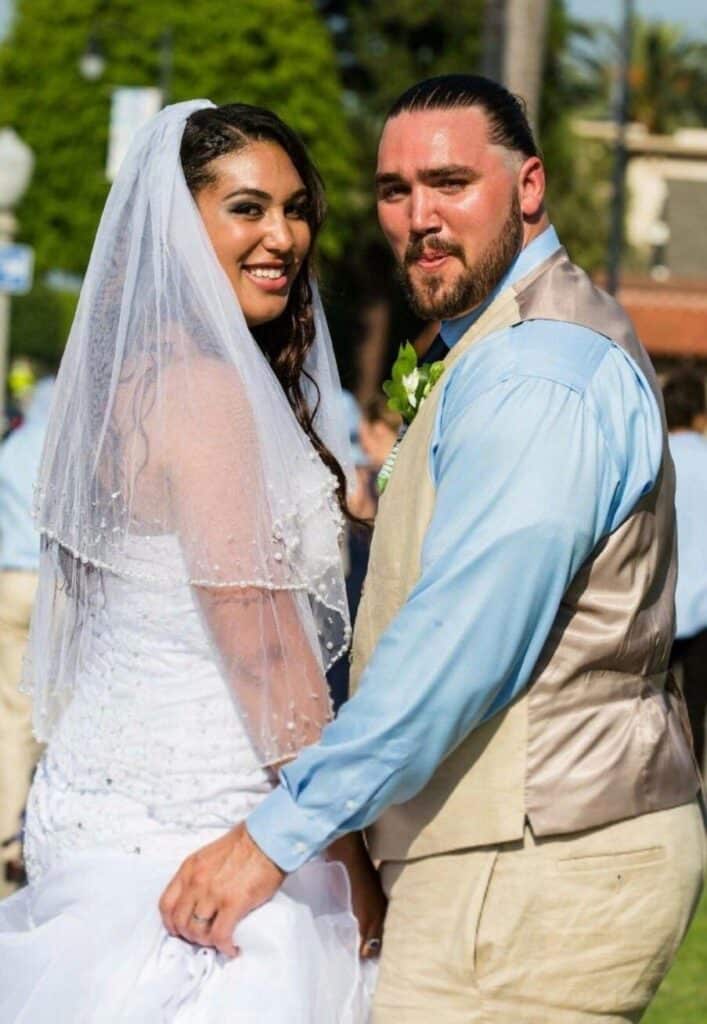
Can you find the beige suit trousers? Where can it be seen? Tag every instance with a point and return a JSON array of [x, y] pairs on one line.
[[576, 929], [18, 749]]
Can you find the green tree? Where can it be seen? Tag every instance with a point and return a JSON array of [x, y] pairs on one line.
[[667, 75], [276, 52], [402, 41], [668, 78], [39, 324], [383, 49]]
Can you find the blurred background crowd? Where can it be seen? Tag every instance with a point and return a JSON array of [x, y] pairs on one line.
[[616, 90]]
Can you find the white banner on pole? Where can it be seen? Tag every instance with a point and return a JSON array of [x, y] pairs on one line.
[[130, 109]]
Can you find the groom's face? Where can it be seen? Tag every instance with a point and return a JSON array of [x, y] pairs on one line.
[[448, 204]]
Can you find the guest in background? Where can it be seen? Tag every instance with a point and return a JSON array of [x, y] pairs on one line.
[[361, 499], [19, 556], [362, 504], [684, 394], [378, 430]]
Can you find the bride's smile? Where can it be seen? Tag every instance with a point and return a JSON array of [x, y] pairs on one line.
[[255, 213]]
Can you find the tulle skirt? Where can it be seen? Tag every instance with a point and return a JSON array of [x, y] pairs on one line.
[[86, 945]]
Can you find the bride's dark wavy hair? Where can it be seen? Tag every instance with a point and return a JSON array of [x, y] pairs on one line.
[[218, 131]]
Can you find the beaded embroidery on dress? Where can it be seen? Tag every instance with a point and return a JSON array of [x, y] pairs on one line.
[[190, 598], [149, 762], [167, 418]]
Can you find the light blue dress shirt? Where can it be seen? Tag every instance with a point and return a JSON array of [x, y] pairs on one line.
[[546, 436], [689, 451], [20, 455]]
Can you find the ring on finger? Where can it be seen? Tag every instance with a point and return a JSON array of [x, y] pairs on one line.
[[201, 919], [372, 946]]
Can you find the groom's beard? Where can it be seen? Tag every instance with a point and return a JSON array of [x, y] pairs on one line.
[[435, 299]]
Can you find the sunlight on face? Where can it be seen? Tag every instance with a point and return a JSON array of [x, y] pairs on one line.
[[256, 217], [448, 204]]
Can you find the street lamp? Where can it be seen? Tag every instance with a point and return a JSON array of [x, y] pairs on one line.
[[16, 165], [93, 62]]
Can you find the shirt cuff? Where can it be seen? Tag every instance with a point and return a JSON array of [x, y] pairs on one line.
[[285, 833]]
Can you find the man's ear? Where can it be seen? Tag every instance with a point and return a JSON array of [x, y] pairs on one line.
[[531, 188]]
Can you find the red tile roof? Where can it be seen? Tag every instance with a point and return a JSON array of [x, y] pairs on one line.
[[670, 318]]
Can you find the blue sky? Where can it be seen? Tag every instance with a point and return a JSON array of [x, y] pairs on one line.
[[691, 14], [4, 16]]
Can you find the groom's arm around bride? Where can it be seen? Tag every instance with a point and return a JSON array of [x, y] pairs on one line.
[[516, 746]]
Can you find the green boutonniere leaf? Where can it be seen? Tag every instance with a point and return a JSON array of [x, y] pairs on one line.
[[405, 363], [410, 383], [436, 371], [408, 387]]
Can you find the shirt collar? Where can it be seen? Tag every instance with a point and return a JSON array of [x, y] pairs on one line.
[[541, 248]]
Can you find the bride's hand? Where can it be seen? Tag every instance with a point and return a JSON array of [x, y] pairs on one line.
[[367, 896], [216, 887]]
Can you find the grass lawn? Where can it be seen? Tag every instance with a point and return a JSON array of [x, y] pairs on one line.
[[682, 998]]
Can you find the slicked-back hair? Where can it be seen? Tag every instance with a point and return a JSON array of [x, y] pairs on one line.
[[508, 124]]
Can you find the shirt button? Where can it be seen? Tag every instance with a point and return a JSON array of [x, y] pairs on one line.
[[350, 805], [300, 847]]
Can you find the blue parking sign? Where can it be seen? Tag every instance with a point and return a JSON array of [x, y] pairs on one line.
[[16, 268]]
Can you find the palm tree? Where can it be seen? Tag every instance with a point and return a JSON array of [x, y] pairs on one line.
[[668, 75], [668, 78]]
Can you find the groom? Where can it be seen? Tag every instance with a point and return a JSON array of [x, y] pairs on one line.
[[516, 746]]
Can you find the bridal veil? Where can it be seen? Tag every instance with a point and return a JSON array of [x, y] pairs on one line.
[[168, 420]]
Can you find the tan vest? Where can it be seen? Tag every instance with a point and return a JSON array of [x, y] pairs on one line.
[[600, 732]]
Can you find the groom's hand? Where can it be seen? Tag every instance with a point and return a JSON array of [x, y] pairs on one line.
[[216, 887]]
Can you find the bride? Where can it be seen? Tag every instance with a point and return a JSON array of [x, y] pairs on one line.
[[191, 595]]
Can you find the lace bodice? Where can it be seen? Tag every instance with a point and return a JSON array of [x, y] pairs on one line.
[[150, 751]]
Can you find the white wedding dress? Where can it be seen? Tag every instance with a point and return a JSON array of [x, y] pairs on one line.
[[149, 762]]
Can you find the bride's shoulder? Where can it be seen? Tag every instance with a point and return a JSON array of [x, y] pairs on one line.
[[197, 379]]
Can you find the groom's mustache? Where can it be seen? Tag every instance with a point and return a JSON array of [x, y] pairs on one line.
[[423, 246]]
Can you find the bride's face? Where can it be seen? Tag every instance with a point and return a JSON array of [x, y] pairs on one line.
[[255, 214]]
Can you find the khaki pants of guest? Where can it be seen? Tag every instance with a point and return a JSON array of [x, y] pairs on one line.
[[577, 929], [18, 749]]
